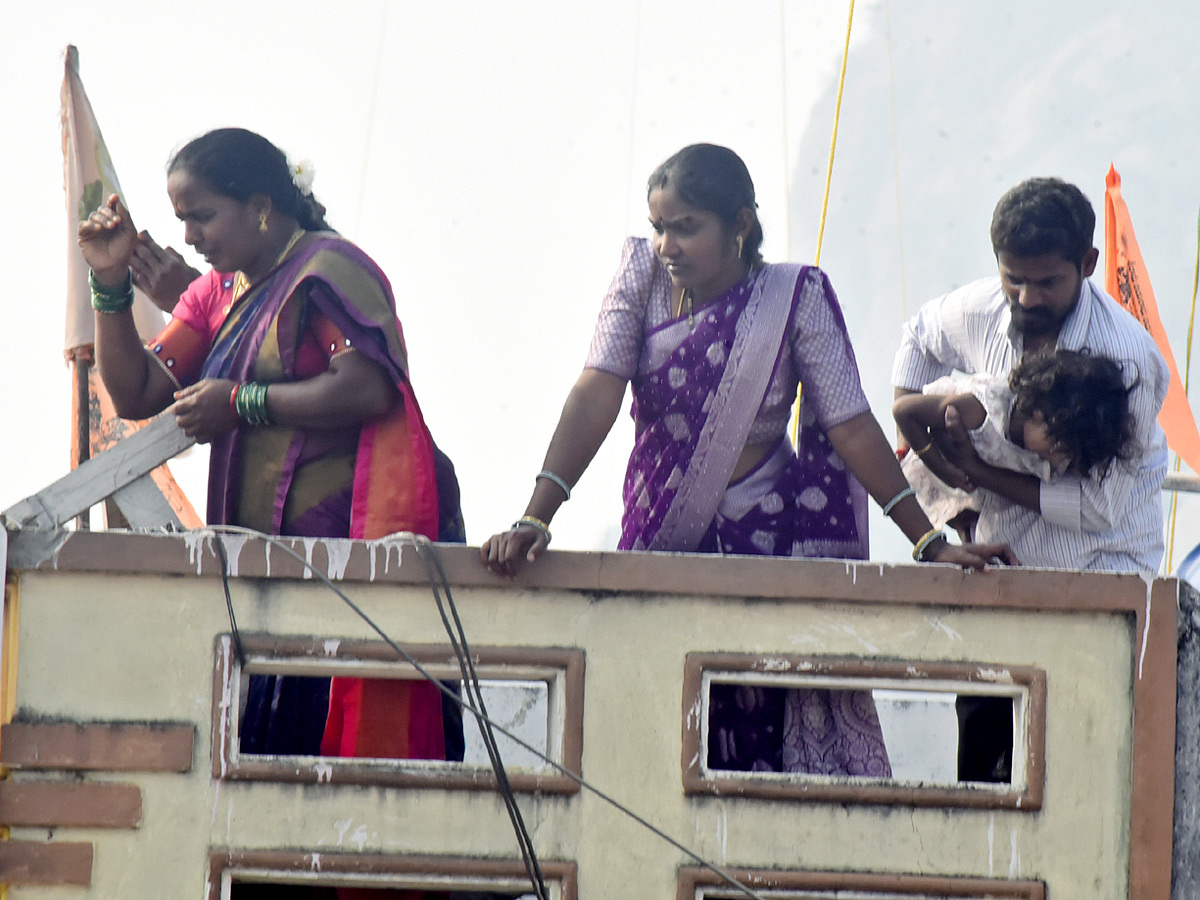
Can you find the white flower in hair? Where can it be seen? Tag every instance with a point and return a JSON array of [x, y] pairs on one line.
[[303, 173]]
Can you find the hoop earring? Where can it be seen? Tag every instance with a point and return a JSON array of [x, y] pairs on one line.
[[740, 239], [262, 222]]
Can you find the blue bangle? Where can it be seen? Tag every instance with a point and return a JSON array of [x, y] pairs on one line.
[[557, 479], [891, 504]]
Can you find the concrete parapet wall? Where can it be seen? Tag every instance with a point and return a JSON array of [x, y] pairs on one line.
[[117, 631]]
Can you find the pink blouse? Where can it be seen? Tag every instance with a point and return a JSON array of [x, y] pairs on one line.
[[183, 344]]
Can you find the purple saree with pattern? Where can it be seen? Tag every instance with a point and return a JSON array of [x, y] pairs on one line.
[[697, 391], [693, 407]]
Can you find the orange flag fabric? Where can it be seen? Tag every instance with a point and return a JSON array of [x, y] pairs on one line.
[[88, 179], [1126, 279]]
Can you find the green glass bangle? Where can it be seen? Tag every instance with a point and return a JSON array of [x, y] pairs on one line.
[[105, 290], [239, 402], [107, 299], [250, 403], [104, 304], [261, 405], [257, 404]]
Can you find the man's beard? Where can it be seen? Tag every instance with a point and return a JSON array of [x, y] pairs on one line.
[[1040, 321], [1033, 322]]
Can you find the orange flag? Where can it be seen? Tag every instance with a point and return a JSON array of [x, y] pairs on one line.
[[88, 178], [1126, 279]]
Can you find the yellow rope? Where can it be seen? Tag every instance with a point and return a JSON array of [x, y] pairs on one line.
[[1187, 372], [837, 112]]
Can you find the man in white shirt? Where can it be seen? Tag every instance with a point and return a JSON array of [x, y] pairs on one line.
[[1043, 299], [1042, 237]]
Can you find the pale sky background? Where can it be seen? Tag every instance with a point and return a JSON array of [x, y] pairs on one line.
[[491, 156]]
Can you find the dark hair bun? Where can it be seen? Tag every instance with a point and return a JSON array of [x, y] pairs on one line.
[[239, 163]]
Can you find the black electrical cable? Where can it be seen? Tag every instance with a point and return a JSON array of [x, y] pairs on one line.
[[470, 680], [481, 718], [471, 683], [233, 627]]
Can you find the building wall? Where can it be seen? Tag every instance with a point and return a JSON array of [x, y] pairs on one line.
[[126, 629]]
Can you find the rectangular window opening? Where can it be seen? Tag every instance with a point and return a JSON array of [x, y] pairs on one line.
[[253, 887], [296, 875], [730, 894], [936, 734], [699, 884], [325, 711]]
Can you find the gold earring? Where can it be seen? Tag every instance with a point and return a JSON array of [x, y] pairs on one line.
[[740, 239], [262, 222]]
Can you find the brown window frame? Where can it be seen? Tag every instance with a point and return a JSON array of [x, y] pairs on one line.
[[562, 669], [338, 868], [693, 878], [1025, 681]]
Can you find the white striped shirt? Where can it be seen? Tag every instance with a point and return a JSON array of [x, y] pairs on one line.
[[1114, 524]]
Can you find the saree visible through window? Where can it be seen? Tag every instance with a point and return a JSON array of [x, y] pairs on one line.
[[952, 734]]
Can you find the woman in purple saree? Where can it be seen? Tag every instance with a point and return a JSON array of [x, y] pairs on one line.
[[715, 342]]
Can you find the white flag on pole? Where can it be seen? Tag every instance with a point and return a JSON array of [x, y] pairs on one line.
[[89, 179]]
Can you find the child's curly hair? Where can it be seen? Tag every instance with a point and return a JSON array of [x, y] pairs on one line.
[[1084, 402]]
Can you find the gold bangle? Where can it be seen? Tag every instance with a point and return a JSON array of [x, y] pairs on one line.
[[534, 522], [924, 449], [927, 539]]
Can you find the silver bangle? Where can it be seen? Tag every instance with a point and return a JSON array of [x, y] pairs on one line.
[[891, 504], [557, 479]]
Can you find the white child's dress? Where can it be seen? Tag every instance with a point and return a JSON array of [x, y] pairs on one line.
[[990, 440]]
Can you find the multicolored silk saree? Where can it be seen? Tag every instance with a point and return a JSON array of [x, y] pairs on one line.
[[325, 298]]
